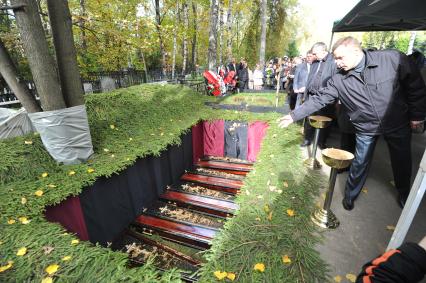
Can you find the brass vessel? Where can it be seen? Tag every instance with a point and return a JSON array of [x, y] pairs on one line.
[[318, 122], [336, 159]]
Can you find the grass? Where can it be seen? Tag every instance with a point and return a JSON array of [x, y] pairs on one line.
[[146, 120]]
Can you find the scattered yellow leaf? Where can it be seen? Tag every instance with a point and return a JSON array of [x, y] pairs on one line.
[[272, 188], [1, 242], [337, 279], [11, 221], [38, 193], [390, 228], [272, 174], [271, 156], [106, 149], [90, 170], [364, 190], [351, 277], [71, 173], [45, 174], [75, 242], [66, 258], [290, 212], [285, 184], [260, 197], [112, 127], [47, 280], [28, 142], [130, 139], [258, 219], [162, 134], [24, 220], [266, 208], [23, 200], [6, 267], [286, 259], [112, 155], [220, 275], [22, 251], [51, 269], [231, 276], [51, 186], [270, 216], [259, 267], [247, 192]]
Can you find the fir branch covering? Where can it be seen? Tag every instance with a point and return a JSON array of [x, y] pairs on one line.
[[271, 228]]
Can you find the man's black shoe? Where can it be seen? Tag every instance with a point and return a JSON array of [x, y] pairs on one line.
[[305, 143], [401, 201], [348, 204]]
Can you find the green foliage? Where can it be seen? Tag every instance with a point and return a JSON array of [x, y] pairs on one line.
[[393, 40], [292, 50], [132, 123]]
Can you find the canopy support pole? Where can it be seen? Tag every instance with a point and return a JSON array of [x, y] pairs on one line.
[[414, 199]]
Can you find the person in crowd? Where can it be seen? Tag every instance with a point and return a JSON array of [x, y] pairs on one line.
[[243, 76], [301, 77], [232, 66], [269, 75], [250, 78], [322, 70], [258, 77], [407, 264], [292, 95], [384, 96]]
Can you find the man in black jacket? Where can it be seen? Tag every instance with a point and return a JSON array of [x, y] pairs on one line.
[[384, 95]]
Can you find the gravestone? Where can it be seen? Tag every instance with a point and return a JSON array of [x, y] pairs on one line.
[[107, 84], [88, 88]]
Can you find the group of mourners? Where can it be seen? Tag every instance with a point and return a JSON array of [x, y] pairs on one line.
[[371, 93]]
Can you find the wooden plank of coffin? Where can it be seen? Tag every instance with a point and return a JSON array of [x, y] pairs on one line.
[[214, 182], [191, 235], [209, 205], [238, 169], [227, 160]]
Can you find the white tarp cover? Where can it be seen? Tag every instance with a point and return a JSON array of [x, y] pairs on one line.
[[14, 123], [65, 133]]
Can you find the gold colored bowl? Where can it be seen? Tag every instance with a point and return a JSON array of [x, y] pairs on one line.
[[337, 158], [319, 122]]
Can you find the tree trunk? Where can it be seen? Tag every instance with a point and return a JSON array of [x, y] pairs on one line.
[[229, 23], [220, 32], [194, 36], [160, 37], [10, 75], [66, 56], [41, 63], [185, 37], [262, 31], [174, 53], [81, 24], [212, 52]]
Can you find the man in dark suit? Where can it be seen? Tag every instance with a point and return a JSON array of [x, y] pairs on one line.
[[232, 66], [321, 71], [301, 77]]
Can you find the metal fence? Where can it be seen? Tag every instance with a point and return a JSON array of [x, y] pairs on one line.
[[107, 81]]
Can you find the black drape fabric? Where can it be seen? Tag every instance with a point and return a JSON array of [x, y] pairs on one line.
[[111, 204], [236, 139]]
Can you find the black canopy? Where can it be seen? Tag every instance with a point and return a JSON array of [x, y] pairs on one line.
[[384, 15]]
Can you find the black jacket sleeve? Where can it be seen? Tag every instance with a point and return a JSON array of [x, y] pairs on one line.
[[407, 264], [413, 83], [322, 97]]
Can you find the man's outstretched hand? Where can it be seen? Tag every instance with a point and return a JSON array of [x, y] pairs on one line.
[[285, 121]]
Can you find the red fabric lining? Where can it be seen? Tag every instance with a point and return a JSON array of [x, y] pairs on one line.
[[214, 138], [256, 133], [70, 215], [197, 141]]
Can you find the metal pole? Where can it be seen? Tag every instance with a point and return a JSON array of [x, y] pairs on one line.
[[330, 191], [414, 199], [314, 147], [331, 41]]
